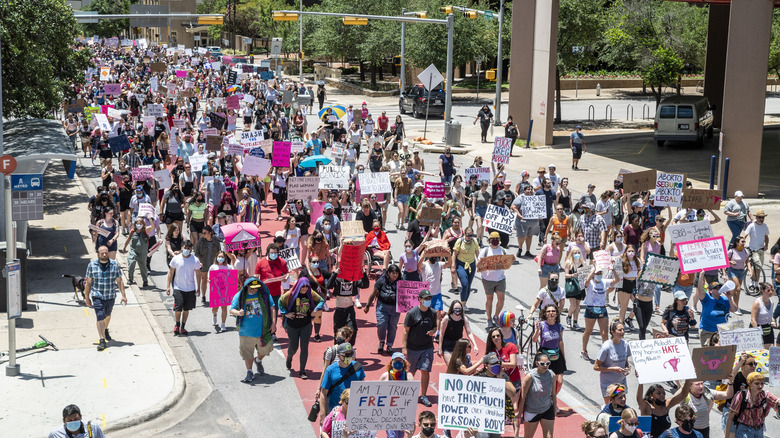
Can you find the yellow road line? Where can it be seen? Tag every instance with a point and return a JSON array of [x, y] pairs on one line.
[[105, 385], [86, 312], [103, 417], [66, 248], [643, 147]]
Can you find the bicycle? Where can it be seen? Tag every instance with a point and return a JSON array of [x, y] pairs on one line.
[[753, 277], [525, 334]]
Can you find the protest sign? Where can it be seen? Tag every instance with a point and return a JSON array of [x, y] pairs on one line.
[[533, 207], [352, 230], [502, 147], [157, 67], [119, 143], [179, 123], [686, 232], [495, 262], [74, 106], [701, 198], [713, 363], [248, 98], [378, 182], [660, 269], [639, 181], [602, 259], [622, 172], [469, 401], [255, 166], [658, 334], [661, 360], [163, 178], [102, 122], [233, 102], [240, 236], [281, 154], [669, 189], [348, 212], [383, 405], [434, 189], [430, 216], [210, 131], [437, 248], [702, 254], [155, 110], [235, 149], [89, 111], [217, 120], [291, 258], [197, 162], [334, 177], [407, 297], [582, 275], [302, 187], [214, 143], [102, 231], [774, 366], [145, 209], [267, 146], [351, 263], [149, 122], [143, 173], [297, 146], [744, 338], [223, 284], [483, 173], [731, 325], [499, 219], [317, 207], [112, 89]]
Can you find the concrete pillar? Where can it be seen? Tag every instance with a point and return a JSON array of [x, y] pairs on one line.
[[520, 64], [545, 55], [744, 94], [715, 66]]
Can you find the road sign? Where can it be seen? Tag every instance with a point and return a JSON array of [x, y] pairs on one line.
[[430, 77], [14, 283], [488, 15], [7, 164], [27, 197]]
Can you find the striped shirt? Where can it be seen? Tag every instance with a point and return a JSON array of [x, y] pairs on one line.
[[753, 415]]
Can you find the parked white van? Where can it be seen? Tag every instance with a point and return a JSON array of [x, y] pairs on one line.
[[683, 118]]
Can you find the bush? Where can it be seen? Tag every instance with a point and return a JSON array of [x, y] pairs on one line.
[[348, 70]]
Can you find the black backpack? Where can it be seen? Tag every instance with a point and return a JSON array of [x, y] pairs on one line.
[[743, 406], [387, 292]]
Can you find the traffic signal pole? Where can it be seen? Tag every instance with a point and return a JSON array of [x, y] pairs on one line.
[[403, 53], [499, 66]]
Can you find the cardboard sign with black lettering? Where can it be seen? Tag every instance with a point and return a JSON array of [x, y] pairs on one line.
[[437, 248], [429, 216], [214, 143], [639, 181], [157, 67], [352, 230], [701, 198], [714, 363], [74, 106], [495, 263]]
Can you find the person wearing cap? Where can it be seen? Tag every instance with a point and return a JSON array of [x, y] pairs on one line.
[[74, 427], [256, 322], [593, 226], [327, 213], [590, 196], [396, 369], [417, 341], [758, 242], [596, 305], [493, 281], [578, 147], [140, 197], [737, 213], [526, 228], [339, 376], [677, 319], [415, 201], [716, 303], [538, 182]]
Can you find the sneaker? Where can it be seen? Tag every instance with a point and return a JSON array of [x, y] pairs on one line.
[[203, 301], [217, 328], [249, 377], [222, 327], [425, 402], [629, 323], [358, 304], [389, 351], [317, 338], [304, 376], [176, 331], [102, 345], [519, 253], [260, 368], [183, 331], [146, 284], [568, 321], [575, 325], [738, 313], [528, 254], [576, 167], [572, 167], [108, 336], [380, 349]]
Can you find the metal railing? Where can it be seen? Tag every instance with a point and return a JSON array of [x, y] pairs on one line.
[[630, 110], [591, 112], [645, 107], [608, 113]]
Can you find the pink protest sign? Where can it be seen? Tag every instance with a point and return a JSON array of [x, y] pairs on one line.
[[316, 208], [181, 73], [113, 89], [281, 154], [104, 109], [233, 102], [223, 284], [227, 59], [240, 235], [407, 296], [709, 254], [434, 189]]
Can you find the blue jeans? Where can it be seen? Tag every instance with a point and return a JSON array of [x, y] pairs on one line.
[[446, 178], [386, 323], [657, 293], [742, 431], [465, 278], [736, 228]]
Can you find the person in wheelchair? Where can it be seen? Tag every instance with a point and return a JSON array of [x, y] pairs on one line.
[[378, 245]]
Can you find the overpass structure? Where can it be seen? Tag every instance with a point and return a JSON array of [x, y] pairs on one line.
[[737, 59]]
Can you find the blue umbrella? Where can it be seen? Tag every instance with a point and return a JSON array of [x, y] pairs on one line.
[[315, 160], [338, 111]]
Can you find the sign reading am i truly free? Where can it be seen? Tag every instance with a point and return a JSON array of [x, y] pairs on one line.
[[27, 197]]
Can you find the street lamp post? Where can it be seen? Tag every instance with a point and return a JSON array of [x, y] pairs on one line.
[[300, 42], [448, 98], [499, 65], [403, 52]]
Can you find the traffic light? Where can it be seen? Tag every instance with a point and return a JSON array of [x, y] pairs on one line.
[[281, 16], [470, 14], [446, 9], [212, 21], [301, 54], [421, 14], [355, 21]]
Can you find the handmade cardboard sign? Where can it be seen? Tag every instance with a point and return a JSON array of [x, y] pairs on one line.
[[669, 189], [352, 230], [686, 232], [660, 360], [281, 154], [351, 261], [378, 182], [502, 148], [714, 363], [256, 166], [660, 269], [437, 248], [214, 143], [430, 216], [143, 173], [745, 339], [334, 177], [291, 258], [701, 198], [495, 263], [302, 187], [251, 139], [639, 181], [499, 219], [483, 173]]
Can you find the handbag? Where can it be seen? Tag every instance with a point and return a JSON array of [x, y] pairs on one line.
[[552, 353], [572, 287], [315, 409]]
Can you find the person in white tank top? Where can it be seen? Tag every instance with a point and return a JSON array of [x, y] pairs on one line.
[[761, 314]]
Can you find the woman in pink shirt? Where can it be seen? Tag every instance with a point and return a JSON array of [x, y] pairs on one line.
[[549, 258]]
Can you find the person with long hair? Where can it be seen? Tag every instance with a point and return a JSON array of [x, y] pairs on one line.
[[385, 292], [110, 225], [550, 338], [612, 360], [297, 306], [761, 314], [738, 257], [460, 360], [593, 429], [629, 422], [655, 404], [465, 264], [172, 206], [573, 289], [452, 327], [629, 265], [451, 235], [139, 247], [538, 398], [221, 263], [173, 242], [595, 307], [650, 243], [507, 353], [196, 213]]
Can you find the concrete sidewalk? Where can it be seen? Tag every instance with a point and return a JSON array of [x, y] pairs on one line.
[[135, 379]]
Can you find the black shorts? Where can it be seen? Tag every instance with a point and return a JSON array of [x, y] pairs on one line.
[[549, 414], [183, 300], [173, 217], [576, 152], [628, 286], [196, 226]]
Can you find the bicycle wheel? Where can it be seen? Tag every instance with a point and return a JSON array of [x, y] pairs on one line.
[[529, 347], [751, 285]]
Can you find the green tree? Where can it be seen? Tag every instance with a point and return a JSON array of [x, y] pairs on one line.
[[39, 62], [774, 46], [108, 28], [664, 68]]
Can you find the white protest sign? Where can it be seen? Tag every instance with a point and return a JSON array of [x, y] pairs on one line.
[[533, 207], [102, 231], [235, 149], [154, 84], [385, 405], [374, 182], [467, 401], [745, 339], [499, 219], [702, 254], [256, 166], [690, 231], [774, 366], [163, 178], [334, 177], [483, 173], [155, 110], [602, 259], [731, 325], [248, 98], [145, 209], [291, 257], [660, 360], [251, 139], [502, 148], [197, 161], [297, 146], [669, 189], [102, 122], [303, 187]]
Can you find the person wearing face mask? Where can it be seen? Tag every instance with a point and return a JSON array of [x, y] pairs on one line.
[[716, 303], [206, 251], [615, 405], [417, 341], [551, 294], [73, 427], [655, 404], [214, 191], [272, 270], [139, 248], [378, 243], [103, 278], [196, 213], [629, 421], [758, 242], [297, 306], [464, 256], [595, 307], [256, 321], [453, 325], [396, 369], [184, 275], [593, 227], [701, 400], [526, 228], [408, 262], [327, 213], [224, 261], [685, 417], [140, 198], [493, 281], [651, 244], [339, 376]]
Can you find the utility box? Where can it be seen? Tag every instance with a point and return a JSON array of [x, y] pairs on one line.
[[21, 255], [452, 133]]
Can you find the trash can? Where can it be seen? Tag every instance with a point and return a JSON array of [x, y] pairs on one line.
[[452, 133], [21, 254]]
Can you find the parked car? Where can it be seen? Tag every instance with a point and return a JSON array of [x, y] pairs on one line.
[[214, 50], [683, 118], [415, 100]]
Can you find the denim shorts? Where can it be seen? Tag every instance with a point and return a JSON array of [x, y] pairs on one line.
[[480, 211], [595, 312], [739, 274], [547, 269], [403, 199]]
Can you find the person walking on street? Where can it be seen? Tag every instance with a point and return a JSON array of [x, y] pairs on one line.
[[256, 323], [578, 147], [297, 306], [385, 292], [485, 117], [419, 328], [139, 248], [493, 281], [339, 376], [737, 212], [184, 274], [206, 251], [103, 277], [73, 427]]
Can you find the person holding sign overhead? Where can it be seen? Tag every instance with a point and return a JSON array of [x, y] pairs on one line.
[[595, 306], [465, 263], [716, 303], [493, 281]]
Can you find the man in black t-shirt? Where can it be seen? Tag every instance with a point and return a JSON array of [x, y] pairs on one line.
[[367, 216], [416, 232], [419, 328], [339, 133]]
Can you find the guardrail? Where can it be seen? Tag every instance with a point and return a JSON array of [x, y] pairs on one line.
[[630, 109], [593, 110], [608, 113]]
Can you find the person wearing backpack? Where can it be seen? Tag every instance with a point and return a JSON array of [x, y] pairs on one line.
[[338, 377], [385, 291], [493, 281], [749, 409], [685, 416]]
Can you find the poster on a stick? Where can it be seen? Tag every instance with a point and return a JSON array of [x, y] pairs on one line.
[[334, 177]]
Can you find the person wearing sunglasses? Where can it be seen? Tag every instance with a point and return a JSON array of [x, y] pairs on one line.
[[629, 421], [594, 429], [338, 377], [655, 404], [746, 364], [538, 398], [616, 405], [427, 424], [749, 409]]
